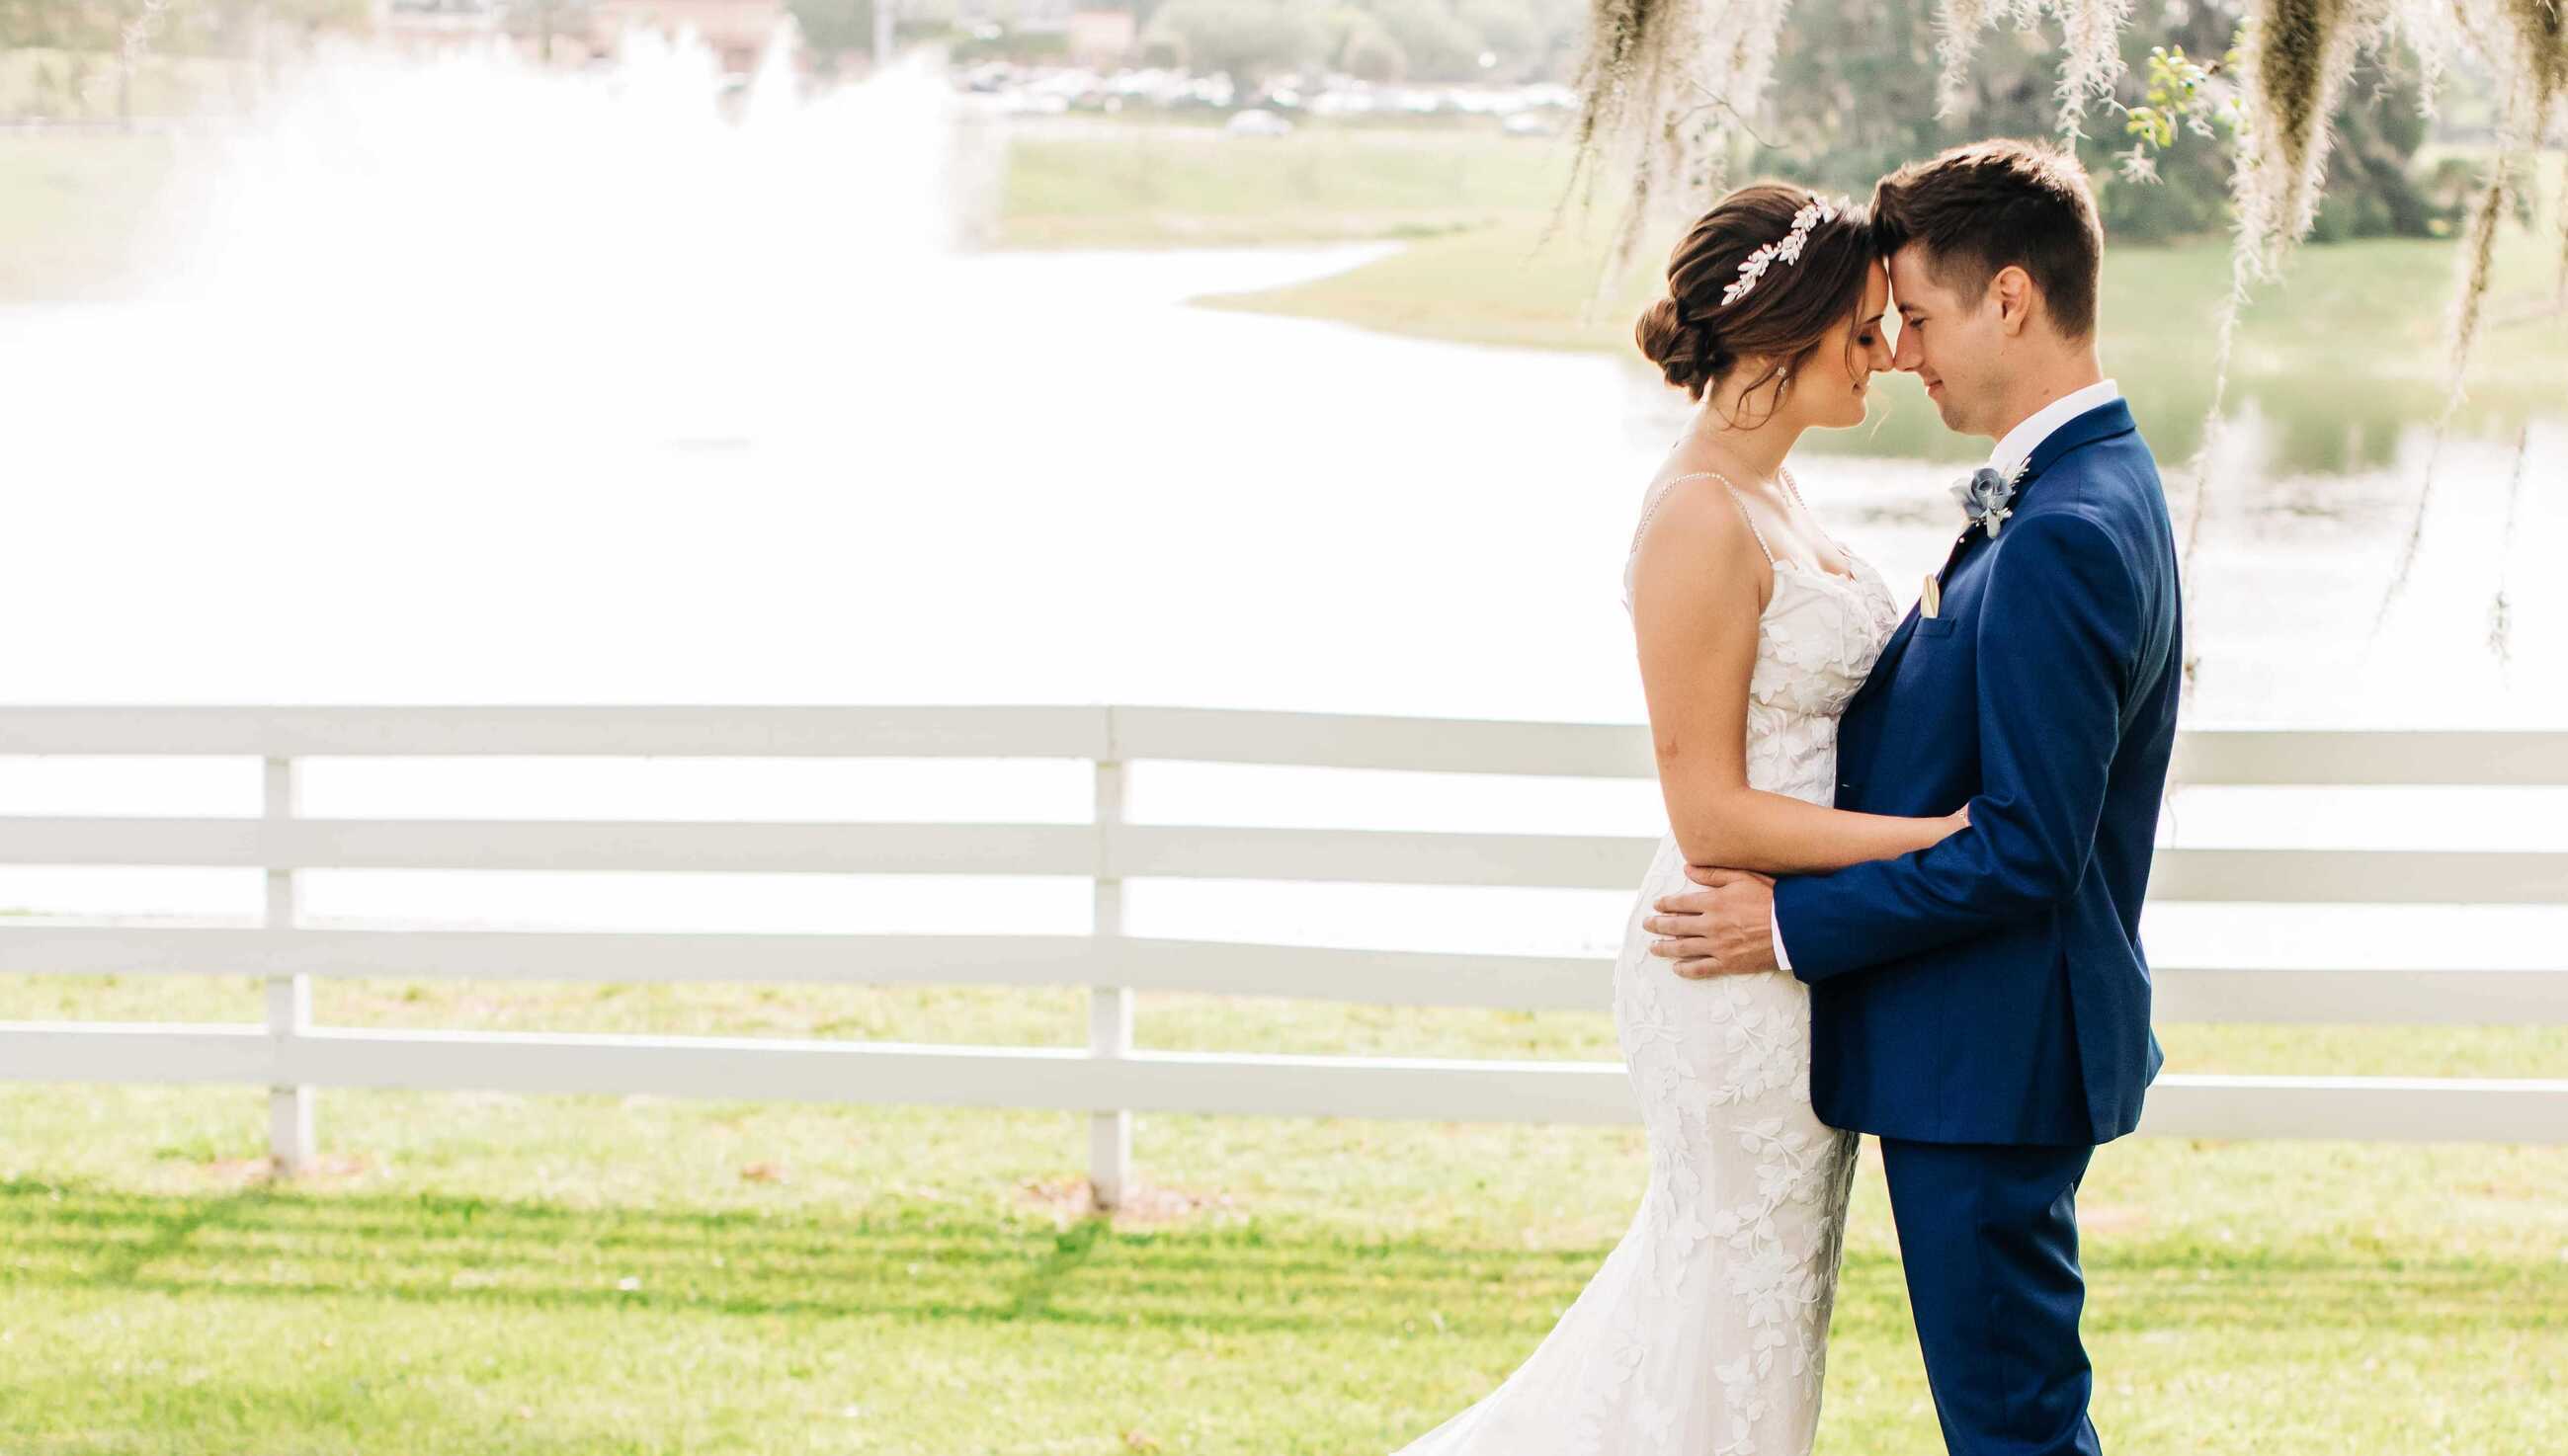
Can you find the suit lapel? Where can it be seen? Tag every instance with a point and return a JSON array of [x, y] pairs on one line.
[[2106, 421]]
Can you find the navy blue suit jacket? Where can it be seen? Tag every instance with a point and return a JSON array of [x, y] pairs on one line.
[[1991, 989]]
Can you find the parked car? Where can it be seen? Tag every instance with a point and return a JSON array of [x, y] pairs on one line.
[[1256, 122]]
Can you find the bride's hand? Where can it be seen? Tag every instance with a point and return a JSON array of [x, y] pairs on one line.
[[1958, 820]]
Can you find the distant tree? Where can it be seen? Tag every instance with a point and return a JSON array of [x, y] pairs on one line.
[[1560, 33], [317, 15], [63, 25], [1251, 39], [1854, 94], [542, 21], [833, 25], [1505, 29], [1438, 44], [181, 27], [1370, 52], [28, 24]]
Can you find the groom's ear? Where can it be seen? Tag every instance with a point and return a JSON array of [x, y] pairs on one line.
[[2012, 290]]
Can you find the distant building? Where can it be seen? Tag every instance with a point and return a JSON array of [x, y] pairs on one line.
[[1099, 39]]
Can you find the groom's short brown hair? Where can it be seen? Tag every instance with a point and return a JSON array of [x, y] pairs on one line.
[[1980, 207]]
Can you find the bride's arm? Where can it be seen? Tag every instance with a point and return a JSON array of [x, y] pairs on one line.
[[1695, 604]]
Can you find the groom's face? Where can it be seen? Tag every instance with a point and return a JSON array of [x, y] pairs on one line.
[[1951, 342]]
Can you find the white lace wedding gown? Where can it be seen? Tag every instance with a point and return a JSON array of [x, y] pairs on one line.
[[1705, 1333]]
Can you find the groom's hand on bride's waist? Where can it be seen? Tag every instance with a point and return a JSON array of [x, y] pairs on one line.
[[1724, 928]]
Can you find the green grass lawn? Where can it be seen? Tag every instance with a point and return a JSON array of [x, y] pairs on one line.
[[493, 1274], [1110, 184]]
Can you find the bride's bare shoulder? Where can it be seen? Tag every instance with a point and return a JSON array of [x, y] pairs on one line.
[[1694, 521]]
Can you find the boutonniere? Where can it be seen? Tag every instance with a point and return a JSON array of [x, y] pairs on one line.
[[1986, 498]]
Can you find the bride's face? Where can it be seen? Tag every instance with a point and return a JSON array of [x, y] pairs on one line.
[[1838, 379]]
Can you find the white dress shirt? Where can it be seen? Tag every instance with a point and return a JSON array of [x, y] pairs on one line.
[[2025, 438], [2013, 450]]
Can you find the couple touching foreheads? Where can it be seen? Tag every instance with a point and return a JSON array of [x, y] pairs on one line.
[[1902, 889]]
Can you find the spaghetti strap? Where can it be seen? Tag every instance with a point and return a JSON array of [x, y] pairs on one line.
[[1751, 521], [1734, 499], [1661, 496], [1825, 534]]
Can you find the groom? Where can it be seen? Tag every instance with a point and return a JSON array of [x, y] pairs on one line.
[[1983, 1006]]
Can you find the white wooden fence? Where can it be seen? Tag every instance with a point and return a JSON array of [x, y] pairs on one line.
[[1109, 1078]]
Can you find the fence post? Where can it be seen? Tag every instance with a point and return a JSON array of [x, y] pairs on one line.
[[1110, 1007], [289, 997]]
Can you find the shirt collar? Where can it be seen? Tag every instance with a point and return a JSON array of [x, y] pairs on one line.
[[2025, 438]]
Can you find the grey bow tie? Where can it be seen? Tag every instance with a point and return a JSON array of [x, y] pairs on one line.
[[1985, 498]]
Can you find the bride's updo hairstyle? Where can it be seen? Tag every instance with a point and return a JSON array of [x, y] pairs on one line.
[[1697, 339]]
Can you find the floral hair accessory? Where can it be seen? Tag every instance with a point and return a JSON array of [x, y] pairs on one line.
[[1785, 250]]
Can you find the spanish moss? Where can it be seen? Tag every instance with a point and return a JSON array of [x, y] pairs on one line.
[[1957, 39], [2542, 40], [1665, 87], [2538, 34], [2500, 614], [2297, 58], [2559, 292], [2092, 29], [2478, 258]]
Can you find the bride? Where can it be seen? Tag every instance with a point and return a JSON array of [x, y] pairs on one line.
[[1705, 1333]]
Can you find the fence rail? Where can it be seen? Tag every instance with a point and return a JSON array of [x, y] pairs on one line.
[[1109, 1077]]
